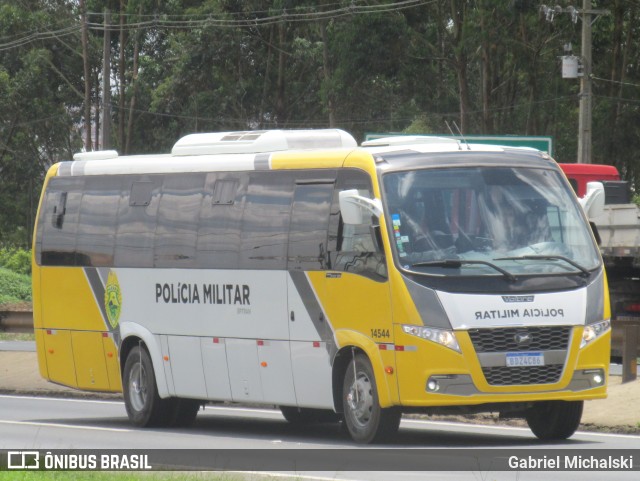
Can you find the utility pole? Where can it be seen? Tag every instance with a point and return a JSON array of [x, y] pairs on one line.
[[584, 120], [87, 78], [106, 83], [584, 123]]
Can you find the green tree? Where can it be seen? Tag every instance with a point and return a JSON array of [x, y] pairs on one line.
[[40, 98]]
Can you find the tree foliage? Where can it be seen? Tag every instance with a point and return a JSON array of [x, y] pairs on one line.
[[182, 66]]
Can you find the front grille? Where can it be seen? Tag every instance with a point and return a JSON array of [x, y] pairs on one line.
[[546, 338], [511, 376]]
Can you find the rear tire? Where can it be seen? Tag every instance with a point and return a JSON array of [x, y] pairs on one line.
[[144, 406], [302, 416], [185, 412], [554, 420], [365, 420]]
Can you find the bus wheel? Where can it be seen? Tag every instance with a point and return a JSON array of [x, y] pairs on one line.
[[365, 420], [185, 412], [300, 416], [550, 420], [144, 406]]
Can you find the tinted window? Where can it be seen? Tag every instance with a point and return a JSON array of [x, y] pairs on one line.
[[137, 223], [224, 191], [522, 220], [219, 234], [265, 223], [97, 223], [309, 222], [59, 221], [352, 248], [178, 214]]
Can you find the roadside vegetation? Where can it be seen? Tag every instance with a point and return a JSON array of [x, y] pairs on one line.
[[15, 276], [17, 336]]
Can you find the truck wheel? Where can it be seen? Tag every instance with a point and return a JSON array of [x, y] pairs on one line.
[[365, 420], [144, 406], [553, 420]]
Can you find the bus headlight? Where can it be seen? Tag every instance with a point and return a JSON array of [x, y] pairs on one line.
[[444, 337], [594, 331]]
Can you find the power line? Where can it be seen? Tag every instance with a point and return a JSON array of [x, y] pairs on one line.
[[252, 19], [48, 35], [615, 81], [256, 21], [618, 99]]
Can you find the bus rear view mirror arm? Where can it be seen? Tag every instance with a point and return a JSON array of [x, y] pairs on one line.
[[352, 205]]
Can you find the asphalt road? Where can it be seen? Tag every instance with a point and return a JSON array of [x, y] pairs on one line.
[[25, 346], [50, 423]]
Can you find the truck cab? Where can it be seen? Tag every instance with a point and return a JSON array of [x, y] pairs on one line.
[[618, 227]]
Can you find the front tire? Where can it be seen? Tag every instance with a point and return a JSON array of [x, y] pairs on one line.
[[144, 406], [554, 420], [365, 420]]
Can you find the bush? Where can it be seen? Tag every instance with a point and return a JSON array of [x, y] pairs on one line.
[[14, 287], [16, 260]]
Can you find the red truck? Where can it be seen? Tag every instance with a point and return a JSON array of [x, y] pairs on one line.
[[618, 228]]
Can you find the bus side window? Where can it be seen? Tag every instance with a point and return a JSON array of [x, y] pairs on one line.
[[309, 221], [97, 223], [265, 221], [137, 219], [224, 191], [219, 231], [60, 221], [352, 248], [178, 216]]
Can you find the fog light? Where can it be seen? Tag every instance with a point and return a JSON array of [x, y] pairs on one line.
[[433, 386], [596, 375]]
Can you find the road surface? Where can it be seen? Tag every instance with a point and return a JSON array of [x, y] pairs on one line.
[[71, 424]]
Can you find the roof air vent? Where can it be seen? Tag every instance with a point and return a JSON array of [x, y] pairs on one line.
[[259, 141], [407, 140], [97, 155]]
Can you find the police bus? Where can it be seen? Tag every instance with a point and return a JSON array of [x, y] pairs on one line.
[[296, 269]]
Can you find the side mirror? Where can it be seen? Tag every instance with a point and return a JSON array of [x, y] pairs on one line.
[[352, 206], [593, 201]]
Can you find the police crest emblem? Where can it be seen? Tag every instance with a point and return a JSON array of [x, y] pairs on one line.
[[113, 299]]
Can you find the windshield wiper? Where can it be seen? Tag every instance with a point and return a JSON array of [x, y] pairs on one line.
[[457, 263], [582, 269]]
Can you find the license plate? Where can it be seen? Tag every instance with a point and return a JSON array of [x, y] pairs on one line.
[[523, 359]]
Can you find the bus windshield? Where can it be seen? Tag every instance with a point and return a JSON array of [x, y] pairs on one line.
[[504, 221]]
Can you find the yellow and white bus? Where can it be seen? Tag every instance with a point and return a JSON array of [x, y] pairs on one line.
[[296, 269]]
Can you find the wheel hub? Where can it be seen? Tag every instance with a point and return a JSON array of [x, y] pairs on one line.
[[138, 387], [360, 399]]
